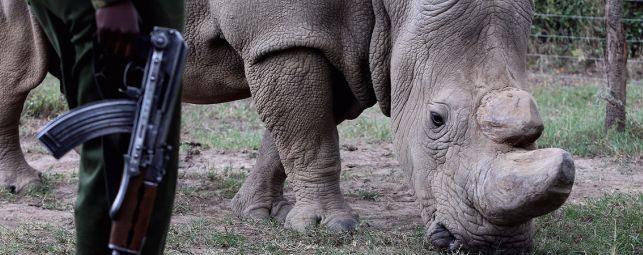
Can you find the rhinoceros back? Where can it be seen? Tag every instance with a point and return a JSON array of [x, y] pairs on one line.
[[338, 29]]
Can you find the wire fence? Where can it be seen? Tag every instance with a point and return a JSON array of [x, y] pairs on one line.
[[585, 38], [578, 57], [636, 61], [549, 15]]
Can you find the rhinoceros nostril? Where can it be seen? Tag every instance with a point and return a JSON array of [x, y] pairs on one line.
[[441, 237]]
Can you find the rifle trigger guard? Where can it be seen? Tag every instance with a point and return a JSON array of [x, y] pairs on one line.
[[131, 91]]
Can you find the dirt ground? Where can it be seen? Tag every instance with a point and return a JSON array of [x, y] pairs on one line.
[[372, 181]]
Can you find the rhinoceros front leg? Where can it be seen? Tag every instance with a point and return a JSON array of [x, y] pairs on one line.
[[293, 93], [262, 194], [15, 173]]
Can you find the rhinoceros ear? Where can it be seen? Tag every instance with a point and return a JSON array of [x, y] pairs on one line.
[[380, 57]]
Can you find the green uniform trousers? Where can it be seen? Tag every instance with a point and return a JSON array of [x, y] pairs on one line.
[[70, 27]]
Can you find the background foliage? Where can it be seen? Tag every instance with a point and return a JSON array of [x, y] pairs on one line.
[[586, 29]]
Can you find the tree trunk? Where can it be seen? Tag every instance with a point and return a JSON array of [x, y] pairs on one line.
[[616, 65]]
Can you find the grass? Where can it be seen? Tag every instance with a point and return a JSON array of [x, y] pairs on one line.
[[369, 195], [230, 126], [366, 194], [237, 126], [37, 238], [206, 236], [611, 224], [227, 239], [45, 195], [371, 127], [574, 116], [202, 233], [228, 184], [196, 188], [45, 101]]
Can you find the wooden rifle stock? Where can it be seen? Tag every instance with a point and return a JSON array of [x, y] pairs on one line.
[[129, 226]]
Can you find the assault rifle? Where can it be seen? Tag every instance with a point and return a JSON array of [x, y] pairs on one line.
[[147, 115]]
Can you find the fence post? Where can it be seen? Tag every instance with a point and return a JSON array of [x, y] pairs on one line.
[[616, 65]]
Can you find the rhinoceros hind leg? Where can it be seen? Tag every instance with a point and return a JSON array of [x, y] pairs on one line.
[[293, 92], [261, 195], [15, 174]]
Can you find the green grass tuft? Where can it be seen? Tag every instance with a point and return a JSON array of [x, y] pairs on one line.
[[574, 118], [365, 194], [46, 101], [237, 126], [371, 127], [44, 196], [7, 195], [612, 224], [206, 186], [202, 233], [369, 195], [228, 184], [37, 238], [217, 236], [227, 239], [229, 126]]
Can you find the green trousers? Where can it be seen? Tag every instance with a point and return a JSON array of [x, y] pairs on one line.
[[70, 27]]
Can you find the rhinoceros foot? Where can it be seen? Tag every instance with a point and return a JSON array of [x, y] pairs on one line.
[[305, 215], [260, 205], [17, 177]]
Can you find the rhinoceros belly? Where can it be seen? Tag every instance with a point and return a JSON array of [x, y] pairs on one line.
[[214, 70]]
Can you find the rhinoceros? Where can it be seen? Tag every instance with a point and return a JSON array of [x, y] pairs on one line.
[[448, 72]]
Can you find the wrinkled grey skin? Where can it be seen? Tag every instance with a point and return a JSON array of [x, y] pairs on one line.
[[475, 177], [22, 67], [448, 73]]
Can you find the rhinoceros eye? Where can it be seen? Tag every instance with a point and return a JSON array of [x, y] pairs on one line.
[[437, 119]]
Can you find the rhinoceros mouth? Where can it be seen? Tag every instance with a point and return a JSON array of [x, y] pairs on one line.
[[441, 237]]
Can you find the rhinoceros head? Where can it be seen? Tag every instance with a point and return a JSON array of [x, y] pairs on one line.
[[464, 129]]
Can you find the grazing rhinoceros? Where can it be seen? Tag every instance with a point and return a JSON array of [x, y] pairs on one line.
[[448, 72]]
